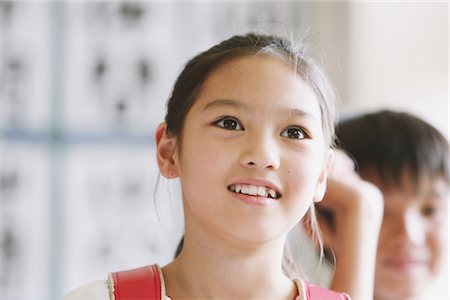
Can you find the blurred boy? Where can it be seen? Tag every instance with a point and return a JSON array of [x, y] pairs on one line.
[[408, 161]]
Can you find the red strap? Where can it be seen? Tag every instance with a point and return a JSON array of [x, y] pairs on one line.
[[314, 292], [140, 283], [145, 283]]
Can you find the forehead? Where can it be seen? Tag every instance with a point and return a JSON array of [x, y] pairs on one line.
[[260, 79]]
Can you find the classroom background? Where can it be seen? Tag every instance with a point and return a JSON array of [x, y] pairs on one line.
[[83, 85]]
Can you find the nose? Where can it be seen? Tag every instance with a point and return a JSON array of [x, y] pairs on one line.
[[260, 151], [410, 229]]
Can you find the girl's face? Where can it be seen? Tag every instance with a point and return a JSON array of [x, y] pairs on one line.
[[252, 154], [413, 237]]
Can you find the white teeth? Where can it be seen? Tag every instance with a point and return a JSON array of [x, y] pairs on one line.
[[244, 189], [262, 191], [272, 193], [254, 190]]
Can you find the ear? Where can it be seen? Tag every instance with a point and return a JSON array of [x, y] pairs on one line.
[[165, 152], [321, 186]]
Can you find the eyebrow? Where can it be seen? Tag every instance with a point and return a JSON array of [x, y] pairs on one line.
[[223, 103], [236, 104], [299, 113], [439, 192]]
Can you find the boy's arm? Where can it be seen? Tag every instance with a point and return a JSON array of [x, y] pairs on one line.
[[354, 210]]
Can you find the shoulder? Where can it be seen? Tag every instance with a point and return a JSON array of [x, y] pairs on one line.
[[97, 290], [311, 291]]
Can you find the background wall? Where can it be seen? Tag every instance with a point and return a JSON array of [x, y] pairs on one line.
[[82, 86], [385, 54]]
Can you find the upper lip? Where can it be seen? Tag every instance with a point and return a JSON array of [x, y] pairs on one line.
[[404, 259], [258, 182]]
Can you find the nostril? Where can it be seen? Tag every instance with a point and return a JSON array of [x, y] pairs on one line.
[[259, 159]]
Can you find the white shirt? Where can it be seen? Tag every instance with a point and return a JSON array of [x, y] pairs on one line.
[[97, 290]]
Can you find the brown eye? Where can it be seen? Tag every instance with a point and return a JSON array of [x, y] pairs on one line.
[[229, 124], [294, 133], [429, 211]]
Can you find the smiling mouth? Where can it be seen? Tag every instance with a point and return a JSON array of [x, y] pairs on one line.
[[403, 264], [254, 190]]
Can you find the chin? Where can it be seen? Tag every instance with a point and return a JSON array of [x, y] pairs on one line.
[[400, 291]]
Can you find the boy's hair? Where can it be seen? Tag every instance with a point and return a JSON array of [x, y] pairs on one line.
[[390, 142]]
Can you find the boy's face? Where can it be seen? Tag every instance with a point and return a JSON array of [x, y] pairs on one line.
[[413, 237]]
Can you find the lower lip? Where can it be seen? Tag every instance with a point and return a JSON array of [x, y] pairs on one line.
[[254, 200], [403, 266]]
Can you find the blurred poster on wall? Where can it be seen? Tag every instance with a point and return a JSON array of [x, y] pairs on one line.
[[25, 65], [117, 56], [24, 221], [111, 213]]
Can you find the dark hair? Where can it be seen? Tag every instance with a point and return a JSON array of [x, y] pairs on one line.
[[189, 83], [389, 142]]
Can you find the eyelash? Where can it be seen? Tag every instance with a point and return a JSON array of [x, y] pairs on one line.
[[237, 126], [220, 123], [303, 133]]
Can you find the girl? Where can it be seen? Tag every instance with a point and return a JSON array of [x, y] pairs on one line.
[[248, 132]]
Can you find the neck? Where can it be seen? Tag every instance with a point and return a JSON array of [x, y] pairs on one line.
[[382, 296], [207, 268]]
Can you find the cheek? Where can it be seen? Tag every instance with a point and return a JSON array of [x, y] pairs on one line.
[[438, 243], [304, 170], [385, 238], [302, 176], [199, 152], [203, 164]]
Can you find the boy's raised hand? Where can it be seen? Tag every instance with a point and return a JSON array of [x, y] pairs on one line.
[[350, 217]]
